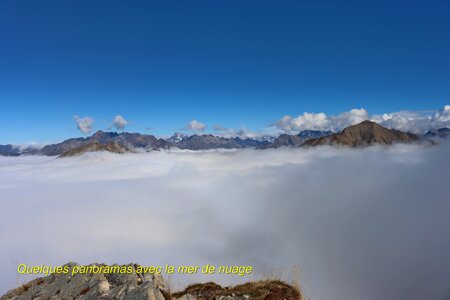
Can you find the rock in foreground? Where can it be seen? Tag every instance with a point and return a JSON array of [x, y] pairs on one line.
[[91, 286], [142, 287]]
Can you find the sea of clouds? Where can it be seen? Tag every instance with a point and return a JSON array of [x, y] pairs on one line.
[[360, 223]]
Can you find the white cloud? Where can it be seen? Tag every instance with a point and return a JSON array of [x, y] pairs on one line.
[[443, 115], [195, 125], [84, 124], [405, 120], [349, 218], [311, 121], [416, 122], [352, 117], [119, 122], [244, 133]]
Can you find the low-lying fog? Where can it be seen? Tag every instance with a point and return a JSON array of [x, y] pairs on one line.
[[361, 224]]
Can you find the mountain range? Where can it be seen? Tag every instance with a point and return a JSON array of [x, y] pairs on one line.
[[363, 134], [296, 140]]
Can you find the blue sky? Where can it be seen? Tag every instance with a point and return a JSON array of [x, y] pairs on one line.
[[161, 64]]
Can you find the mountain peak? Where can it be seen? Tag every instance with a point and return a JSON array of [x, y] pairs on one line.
[[364, 133], [102, 133]]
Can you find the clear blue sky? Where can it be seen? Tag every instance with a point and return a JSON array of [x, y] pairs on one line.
[[161, 64]]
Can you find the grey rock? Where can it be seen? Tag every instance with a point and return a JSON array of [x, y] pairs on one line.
[[186, 297], [145, 291], [91, 287]]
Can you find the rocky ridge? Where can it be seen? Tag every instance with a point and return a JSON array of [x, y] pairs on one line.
[[145, 286], [90, 286]]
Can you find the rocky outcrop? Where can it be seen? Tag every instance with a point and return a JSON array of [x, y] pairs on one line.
[[135, 286], [91, 286]]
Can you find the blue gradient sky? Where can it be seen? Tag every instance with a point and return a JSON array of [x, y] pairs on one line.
[[162, 64]]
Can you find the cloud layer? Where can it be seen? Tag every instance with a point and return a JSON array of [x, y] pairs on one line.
[[362, 224], [416, 122]]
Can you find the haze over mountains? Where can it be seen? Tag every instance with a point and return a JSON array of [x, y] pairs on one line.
[[362, 134]]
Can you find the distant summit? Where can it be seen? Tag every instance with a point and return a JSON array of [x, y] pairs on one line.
[[364, 134], [439, 133], [177, 137], [288, 140], [96, 147], [208, 141], [128, 140]]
